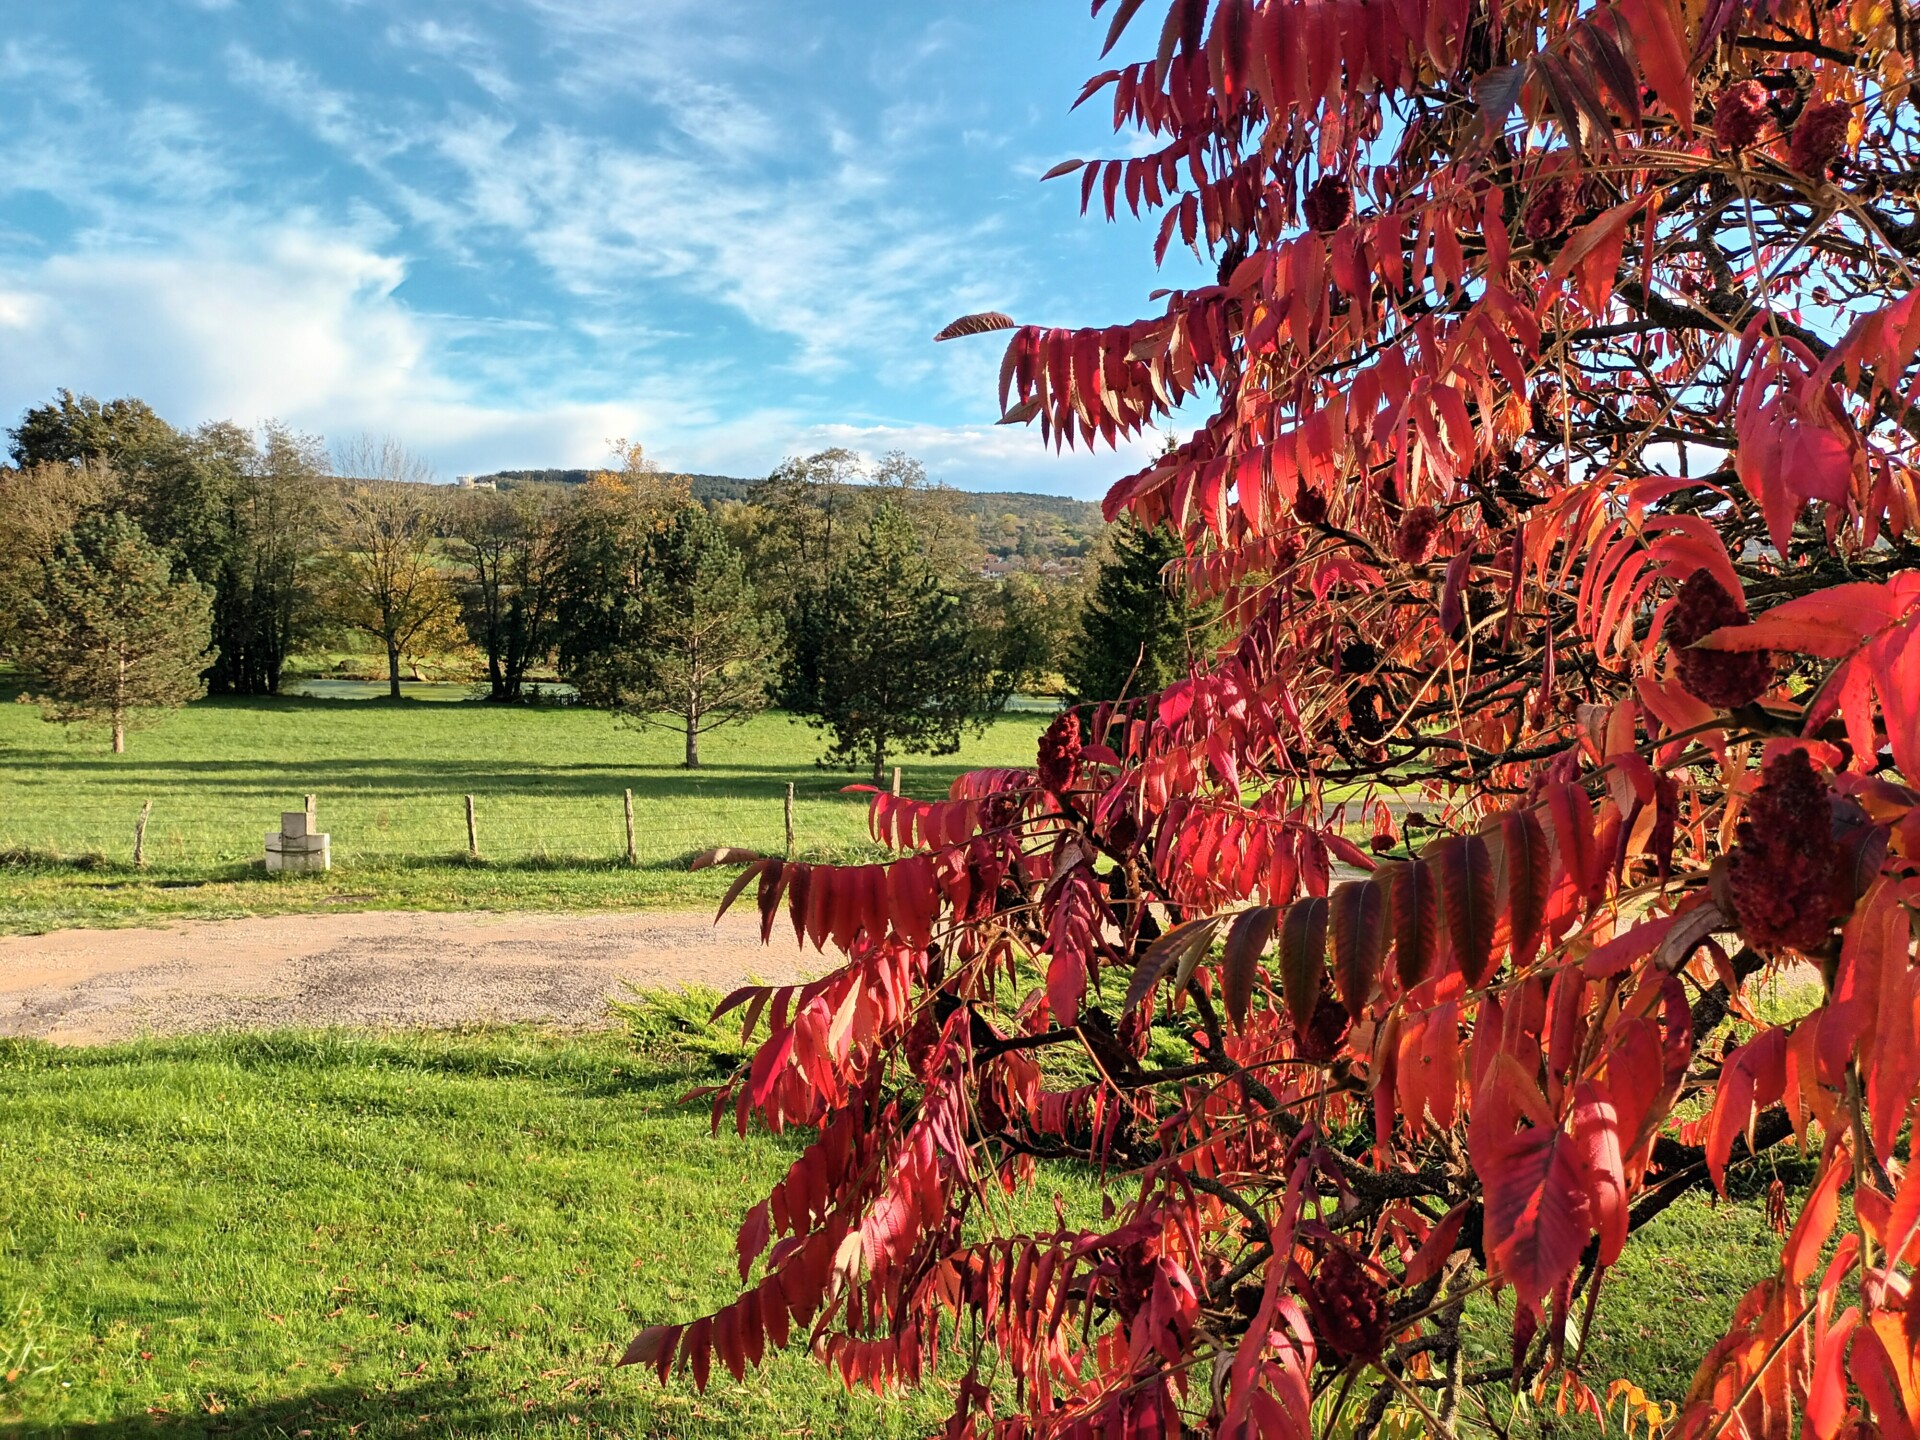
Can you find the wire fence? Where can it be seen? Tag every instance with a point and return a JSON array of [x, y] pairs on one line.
[[187, 828]]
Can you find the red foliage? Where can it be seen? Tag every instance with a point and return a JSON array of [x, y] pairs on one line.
[[1381, 958]]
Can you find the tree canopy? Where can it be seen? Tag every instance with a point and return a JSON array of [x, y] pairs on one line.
[[1556, 484]]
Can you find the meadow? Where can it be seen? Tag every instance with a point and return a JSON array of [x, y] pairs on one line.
[[391, 781], [327, 1235]]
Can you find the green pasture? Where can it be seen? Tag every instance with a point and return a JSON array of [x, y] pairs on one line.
[[324, 1235], [391, 781]]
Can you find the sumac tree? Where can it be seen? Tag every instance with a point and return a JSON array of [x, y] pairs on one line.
[[1559, 497]]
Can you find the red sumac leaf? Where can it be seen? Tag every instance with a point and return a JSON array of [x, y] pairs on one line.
[[989, 320], [723, 855], [740, 882], [1753, 1077], [1303, 957], [1357, 912], [729, 1343], [653, 1346], [1570, 818], [773, 1312], [1413, 918], [696, 1351], [1536, 1218], [1246, 942], [1827, 1391], [1435, 1250], [1177, 949], [1463, 874], [1520, 878]]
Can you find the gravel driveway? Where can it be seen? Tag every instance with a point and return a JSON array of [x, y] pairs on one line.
[[89, 987]]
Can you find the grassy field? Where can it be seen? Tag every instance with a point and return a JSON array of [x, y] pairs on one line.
[[391, 781], [322, 1235]]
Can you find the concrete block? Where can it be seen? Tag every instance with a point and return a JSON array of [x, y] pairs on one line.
[[301, 854], [293, 823]]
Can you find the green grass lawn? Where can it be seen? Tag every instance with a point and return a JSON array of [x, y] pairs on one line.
[[311, 1234], [314, 1234], [391, 781]]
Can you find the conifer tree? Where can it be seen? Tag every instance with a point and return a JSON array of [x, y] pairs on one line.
[[114, 634], [694, 653], [900, 665], [1132, 637]]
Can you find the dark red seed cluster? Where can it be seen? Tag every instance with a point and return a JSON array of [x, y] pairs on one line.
[[1550, 212], [1819, 135], [1310, 506], [1780, 874], [1418, 536], [1059, 759], [1349, 1306], [1320, 1041], [1328, 204], [1740, 114], [1724, 679]]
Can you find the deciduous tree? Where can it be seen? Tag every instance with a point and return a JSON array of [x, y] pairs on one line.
[[384, 576], [112, 634], [513, 546], [1558, 487]]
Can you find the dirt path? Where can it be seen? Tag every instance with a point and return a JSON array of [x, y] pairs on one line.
[[90, 987]]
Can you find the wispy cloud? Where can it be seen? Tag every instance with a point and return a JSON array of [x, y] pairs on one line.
[[512, 230]]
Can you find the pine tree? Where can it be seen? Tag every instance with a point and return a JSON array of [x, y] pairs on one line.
[[114, 633], [694, 654], [900, 663], [1133, 636]]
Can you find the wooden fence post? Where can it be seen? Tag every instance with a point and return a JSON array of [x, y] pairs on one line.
[[473, 832], [896, 782], [313, 814], [789, 819], [140, 837], [633, 854]]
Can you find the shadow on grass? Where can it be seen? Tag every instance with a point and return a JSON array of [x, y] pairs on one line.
[[449, 1407], [411, 776]]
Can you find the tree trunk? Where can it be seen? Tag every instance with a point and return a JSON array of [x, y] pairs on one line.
[[693, 733], [879, 764], [393, 672], [119, 733]]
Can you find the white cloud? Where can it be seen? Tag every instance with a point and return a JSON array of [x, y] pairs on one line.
[[295, 323]]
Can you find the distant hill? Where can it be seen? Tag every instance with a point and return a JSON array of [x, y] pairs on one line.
[[1013, 523], [711, 489]]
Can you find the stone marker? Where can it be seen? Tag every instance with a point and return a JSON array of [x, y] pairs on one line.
[[296, 847]]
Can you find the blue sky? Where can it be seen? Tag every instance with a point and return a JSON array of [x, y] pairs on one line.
[[506, 231]]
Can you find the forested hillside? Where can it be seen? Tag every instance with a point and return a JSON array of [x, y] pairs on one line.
[[1012, 523]]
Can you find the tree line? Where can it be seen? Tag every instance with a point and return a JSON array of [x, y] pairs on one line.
[[145, 565]]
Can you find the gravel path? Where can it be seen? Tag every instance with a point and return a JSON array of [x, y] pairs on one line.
[[91, 987]]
